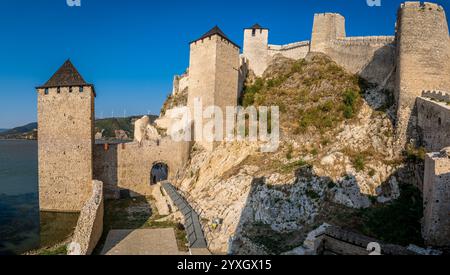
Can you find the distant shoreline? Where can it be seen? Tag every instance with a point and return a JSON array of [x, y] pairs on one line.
[[17, 139]]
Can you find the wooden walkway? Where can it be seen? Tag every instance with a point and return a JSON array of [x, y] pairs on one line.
[[193, 226]]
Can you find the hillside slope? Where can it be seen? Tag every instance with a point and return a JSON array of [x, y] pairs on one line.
[[110, 125], [336, 158], [28, 131], [107, 125]]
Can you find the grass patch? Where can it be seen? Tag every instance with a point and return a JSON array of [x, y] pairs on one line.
[[415, 154], [397, 222], [359, 162], [275, 242], [291, 167], [60, 250], [137, 213]]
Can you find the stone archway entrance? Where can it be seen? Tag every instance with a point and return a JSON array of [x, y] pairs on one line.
[[159, 172]]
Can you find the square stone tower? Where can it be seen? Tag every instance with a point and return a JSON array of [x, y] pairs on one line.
[[256, 43], [66, 139], [436, 195], [326, 28], [213, 78]]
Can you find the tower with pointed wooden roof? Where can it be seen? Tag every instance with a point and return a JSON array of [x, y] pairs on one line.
[[256, 48], [66, 139], [213, 81]]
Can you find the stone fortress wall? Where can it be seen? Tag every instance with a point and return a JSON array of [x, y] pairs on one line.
[[256, 40], [416, 59], [89, 227], [436, 225], [433, 120], [180, 83], [213, 78], [370, 56], [66, 135], [423, 63], [295, 50], [127, 166]]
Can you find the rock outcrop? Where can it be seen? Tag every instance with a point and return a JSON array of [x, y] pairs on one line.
[[236, 186]]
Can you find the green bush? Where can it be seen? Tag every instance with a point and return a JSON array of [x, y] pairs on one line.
[[359, 162], [250, 92], [397, 222], [414, 154], [350, 99]]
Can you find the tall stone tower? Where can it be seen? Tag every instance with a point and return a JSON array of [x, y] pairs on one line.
[[65, 137], [436, 194], [326, 27], [423, 60], [256, 43], [213, 77]]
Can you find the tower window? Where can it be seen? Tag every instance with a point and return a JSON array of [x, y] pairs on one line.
[[46, 91], [253, 32], [58, 90], [81, 89], [70, 89]]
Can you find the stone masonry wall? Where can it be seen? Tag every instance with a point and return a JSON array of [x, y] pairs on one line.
[[326, 28], [256, 49], [66, 135], [433, 124], [89, 228], [423, 60], [213, 78], [436, 224], [295, 50], [202, 76], [128, 166], [180, 83], [105, 169], [372, 57]]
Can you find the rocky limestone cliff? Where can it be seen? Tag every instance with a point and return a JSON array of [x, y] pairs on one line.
[[336, 149]]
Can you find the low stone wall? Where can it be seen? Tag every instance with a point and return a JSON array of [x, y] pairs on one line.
[[433, 124], [128, 165], [90, 223], [436, 194], [333, 240], [437, 95], [295, 50]]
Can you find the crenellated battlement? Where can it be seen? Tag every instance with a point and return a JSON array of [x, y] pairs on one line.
[[289, 46], [437, 95], [324, 14], [364, 40], [421, 5]]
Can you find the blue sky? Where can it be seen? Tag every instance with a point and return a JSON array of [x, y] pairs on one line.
[[131, 49]]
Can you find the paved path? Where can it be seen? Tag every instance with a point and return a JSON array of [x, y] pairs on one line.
[[141, 242]]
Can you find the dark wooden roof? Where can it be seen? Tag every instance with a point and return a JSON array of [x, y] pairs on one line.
[[256, 27], [215, 31], [66, 76]]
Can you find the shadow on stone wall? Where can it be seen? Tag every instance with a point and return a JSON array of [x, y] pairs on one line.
[[106, 169], [380, 68], [396, 221]]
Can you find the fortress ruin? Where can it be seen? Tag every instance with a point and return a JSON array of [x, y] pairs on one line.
[[414, 63]]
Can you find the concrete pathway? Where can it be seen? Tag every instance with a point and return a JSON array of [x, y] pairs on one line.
[[142, 242]]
